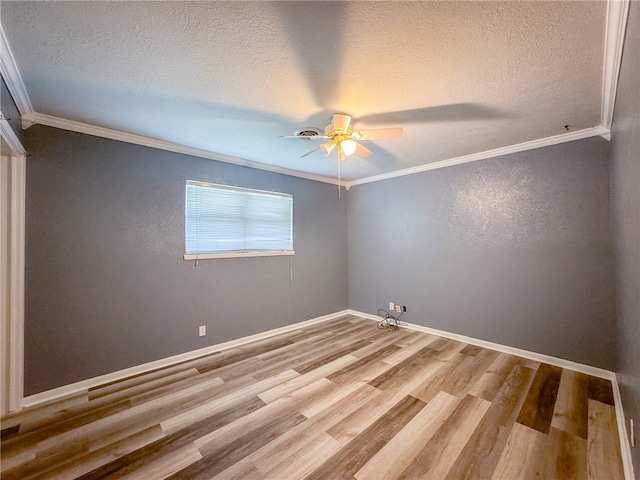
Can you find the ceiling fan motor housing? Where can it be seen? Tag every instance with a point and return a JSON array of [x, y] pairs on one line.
[[343, 138]]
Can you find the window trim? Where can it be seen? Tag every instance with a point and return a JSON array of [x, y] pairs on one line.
[[261, 253], [236, 254]]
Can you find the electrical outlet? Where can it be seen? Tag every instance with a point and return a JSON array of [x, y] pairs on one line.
[[202, 330], [391, 306], [632, 433], [398, 309]]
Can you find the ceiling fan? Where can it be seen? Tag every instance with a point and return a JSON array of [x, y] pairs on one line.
[[344, 139]]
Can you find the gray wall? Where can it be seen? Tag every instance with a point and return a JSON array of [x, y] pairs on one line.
[[106, 286], [10, 111], [625, 196], [516, 250]]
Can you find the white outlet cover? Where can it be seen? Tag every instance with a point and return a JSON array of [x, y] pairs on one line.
[[202, 330], [391, 306]]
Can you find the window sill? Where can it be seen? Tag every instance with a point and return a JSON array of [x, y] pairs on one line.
[[209, 256]]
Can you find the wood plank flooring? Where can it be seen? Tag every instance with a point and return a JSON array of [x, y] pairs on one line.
[[336, 400]]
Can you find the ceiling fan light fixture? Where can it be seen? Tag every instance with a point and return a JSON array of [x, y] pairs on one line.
[[344, 139], [341, 121], [348, 147], [327, 148]]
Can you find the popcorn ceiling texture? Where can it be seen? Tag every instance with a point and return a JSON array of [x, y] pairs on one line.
[[230, 77]]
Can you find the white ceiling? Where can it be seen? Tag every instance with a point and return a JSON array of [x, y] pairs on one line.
[[229, 78]]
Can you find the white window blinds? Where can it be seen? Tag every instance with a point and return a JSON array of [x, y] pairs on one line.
[[223, 220]]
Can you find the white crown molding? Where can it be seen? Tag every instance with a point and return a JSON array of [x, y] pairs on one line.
[[103, 132], [10, 137], [519, 147], [617, 12], [11, 76]]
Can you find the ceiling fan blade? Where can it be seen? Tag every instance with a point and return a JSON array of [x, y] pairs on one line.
[[309, 153], [362, 151], [379, 133], [341, 121]]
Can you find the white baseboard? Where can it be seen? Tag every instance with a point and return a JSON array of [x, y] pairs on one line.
[[79, 387], [538, 357], [625, 449], [84, 385]]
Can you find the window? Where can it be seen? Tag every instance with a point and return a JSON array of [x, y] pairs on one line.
[[225, 221]]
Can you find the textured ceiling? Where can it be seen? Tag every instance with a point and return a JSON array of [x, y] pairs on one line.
[[231, 77]]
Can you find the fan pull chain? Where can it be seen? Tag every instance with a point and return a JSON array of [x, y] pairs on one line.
[[339, 171]]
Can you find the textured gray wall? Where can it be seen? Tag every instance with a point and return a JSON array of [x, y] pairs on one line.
[[625, 196], [106, 286], [516, 250], [10, 111]]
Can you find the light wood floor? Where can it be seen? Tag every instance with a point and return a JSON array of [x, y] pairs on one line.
[[340, 399]]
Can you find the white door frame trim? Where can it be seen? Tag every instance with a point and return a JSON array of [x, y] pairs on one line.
[[16, 273], [13, 236]]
